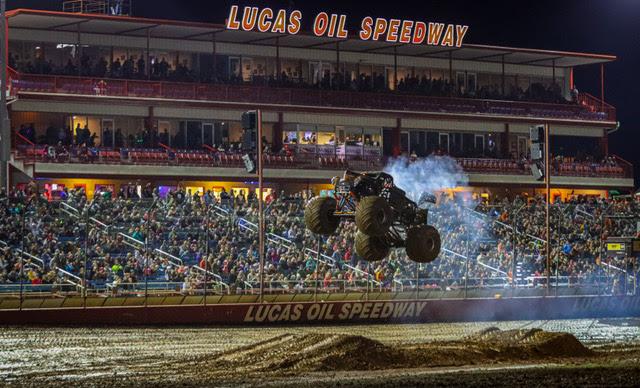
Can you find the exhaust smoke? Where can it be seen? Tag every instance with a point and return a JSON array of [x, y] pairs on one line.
[[427, 175]]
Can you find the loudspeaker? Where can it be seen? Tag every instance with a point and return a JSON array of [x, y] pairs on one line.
[[537, 171], [249, 163], [536, 134], [537, 150]]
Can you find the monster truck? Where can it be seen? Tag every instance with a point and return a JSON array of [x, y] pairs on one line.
[[384, 216]]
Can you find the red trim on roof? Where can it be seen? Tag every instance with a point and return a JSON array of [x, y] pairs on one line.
[[540, 51]]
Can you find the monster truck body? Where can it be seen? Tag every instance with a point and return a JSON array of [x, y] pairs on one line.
[[385, 217]]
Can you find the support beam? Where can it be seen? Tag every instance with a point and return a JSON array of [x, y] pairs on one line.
[[604, 144], [547, 184], [503, 77], [571, 80], [137, 29], [505, 145], [451, 69], [79, 52], [5, 125], [395, 138], [538, 60], [432, 53], [374, 49], [148, 56], [213, 52], [67, 24], [602, 86], [202, 34], [252, 41], [278, 130], [484, 57], [322, 43], [278, 64], [395, 68], [338, 60]]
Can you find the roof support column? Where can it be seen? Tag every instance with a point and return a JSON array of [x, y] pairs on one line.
[[5, 125], [110, 71], [604, 144], [278, 130], [79, 52], [214, 73], [503, 78], [395, 69], [505, 146], [339, 73], [278, 65], [450, 72], [553, 67], [571, 80], [148, 62], [602, 86], [395, 138]]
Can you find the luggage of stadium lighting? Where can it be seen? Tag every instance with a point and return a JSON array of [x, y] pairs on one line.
[[577, 268]]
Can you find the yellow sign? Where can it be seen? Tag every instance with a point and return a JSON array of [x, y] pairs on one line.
[[615, 247]]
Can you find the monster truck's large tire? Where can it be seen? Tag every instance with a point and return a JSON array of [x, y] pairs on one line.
[[319, 217], [374, 216], [371, 248], [423, 243]]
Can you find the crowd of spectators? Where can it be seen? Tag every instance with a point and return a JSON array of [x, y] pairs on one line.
[[186, 238], [161, 70]]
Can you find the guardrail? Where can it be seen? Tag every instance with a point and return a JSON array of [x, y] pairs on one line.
[[310, 286], [67, 276], [587, 108], [617, 269], [218, 279], [13, 289], [32, 257], [175, 259]]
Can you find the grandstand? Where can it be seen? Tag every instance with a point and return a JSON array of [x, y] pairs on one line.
[[127, 176], [128, 245]]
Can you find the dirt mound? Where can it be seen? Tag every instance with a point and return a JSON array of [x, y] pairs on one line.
[[309, 352], [292, 354], [531, 342]]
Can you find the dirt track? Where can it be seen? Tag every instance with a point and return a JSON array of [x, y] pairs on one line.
[[389, 355]]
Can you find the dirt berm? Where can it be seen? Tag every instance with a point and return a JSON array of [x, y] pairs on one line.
[[294, 354]]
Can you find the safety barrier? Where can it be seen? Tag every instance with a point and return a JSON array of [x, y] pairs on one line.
[[587, 108]]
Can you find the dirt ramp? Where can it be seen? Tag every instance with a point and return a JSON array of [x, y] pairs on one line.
[[294, 354], [309, 352], [530, 343]]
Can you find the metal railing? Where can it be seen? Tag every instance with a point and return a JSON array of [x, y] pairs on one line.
[[589, 108], [218, 281], [70, 278], [32, 257]]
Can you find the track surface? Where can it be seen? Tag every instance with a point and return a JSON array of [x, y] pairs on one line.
[[39, 356]]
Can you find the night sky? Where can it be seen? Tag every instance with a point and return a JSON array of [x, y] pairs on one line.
[[596, 26]]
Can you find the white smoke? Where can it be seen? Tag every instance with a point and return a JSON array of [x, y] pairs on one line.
[[426, 175]]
